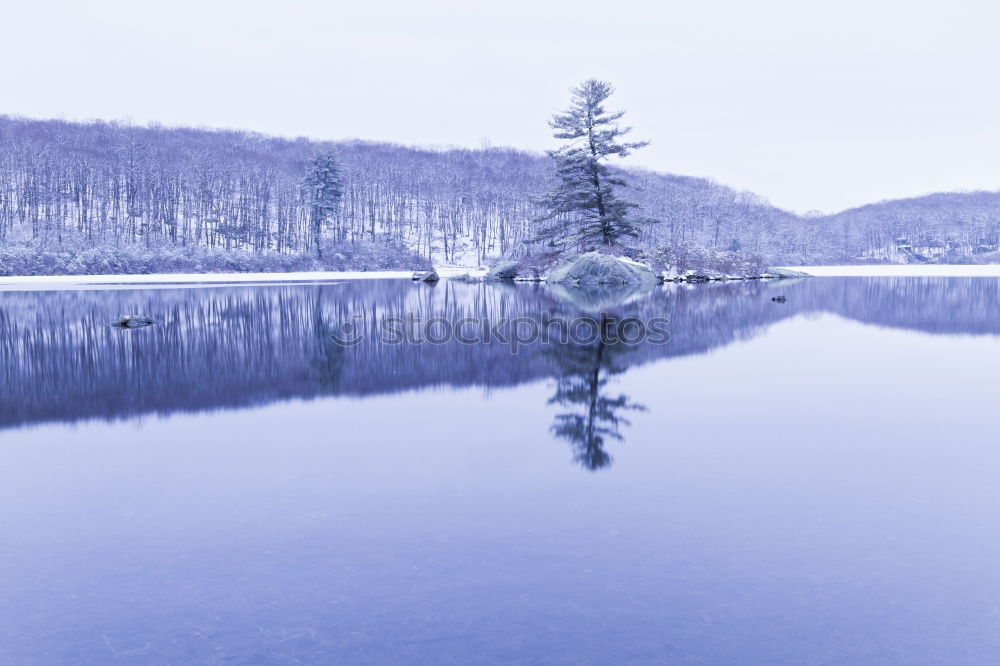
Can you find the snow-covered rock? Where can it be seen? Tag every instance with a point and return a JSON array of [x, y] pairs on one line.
[[504, 270], [670, 275], [514, 270], [785, 273], [426, 276], [595, 268]]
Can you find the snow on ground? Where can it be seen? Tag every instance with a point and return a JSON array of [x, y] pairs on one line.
[[901, 270], [18, 282], [42, 282]]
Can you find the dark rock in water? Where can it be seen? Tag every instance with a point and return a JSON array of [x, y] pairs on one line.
[[779, 299], [504, 270], [430, 276], [595, 268], [133, 321], [697, 277]]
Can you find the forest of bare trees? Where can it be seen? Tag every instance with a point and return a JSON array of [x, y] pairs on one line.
[[109, 197]]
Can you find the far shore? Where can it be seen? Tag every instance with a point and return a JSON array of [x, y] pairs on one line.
[[28, 282], [902, 270], [49, 282]]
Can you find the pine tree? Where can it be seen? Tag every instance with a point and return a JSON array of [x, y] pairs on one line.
[[324, 188], [585, 208]]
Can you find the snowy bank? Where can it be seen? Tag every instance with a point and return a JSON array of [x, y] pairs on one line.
[[46, 282], [903, 270]]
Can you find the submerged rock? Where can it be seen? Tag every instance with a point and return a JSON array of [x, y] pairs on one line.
[[430, 276], [598, 298], [133, 321], [594, 268], [779, 299]]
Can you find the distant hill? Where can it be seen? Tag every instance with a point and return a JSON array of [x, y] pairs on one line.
[[949, 227], [112, 197]]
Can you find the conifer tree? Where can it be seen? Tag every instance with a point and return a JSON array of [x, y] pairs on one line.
[[585, 208], [324, 188]]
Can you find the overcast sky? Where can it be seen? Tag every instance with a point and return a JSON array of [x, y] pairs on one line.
[[814, 105]]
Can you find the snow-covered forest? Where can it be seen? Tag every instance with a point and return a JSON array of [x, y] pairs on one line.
[[110, 197]]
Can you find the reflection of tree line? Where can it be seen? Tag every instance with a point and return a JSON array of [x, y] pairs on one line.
[[209, 348], [229, 347]]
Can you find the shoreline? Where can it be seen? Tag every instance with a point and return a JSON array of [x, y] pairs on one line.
[[154, 280], [901, 270], [193, 280]]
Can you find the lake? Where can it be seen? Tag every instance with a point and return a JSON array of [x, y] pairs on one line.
[[265, 476]]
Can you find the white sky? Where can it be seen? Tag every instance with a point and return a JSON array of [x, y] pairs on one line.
[[812, 104]]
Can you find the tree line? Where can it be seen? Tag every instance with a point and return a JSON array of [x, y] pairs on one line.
[[112, 184], [68, 187]]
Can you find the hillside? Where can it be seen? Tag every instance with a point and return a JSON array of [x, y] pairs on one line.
[[109, 197], [949, 227]]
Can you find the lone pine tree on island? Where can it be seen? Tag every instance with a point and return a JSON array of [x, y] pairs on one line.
[[585, 208]]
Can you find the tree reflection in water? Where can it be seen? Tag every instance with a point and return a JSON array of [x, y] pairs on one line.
[[249, 346], [583, 373]]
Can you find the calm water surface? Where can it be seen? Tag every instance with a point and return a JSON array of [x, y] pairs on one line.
[[810, 482]]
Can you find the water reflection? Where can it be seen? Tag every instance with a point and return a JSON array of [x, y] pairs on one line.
[[851, 520], [245, 346], [582, 375]]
